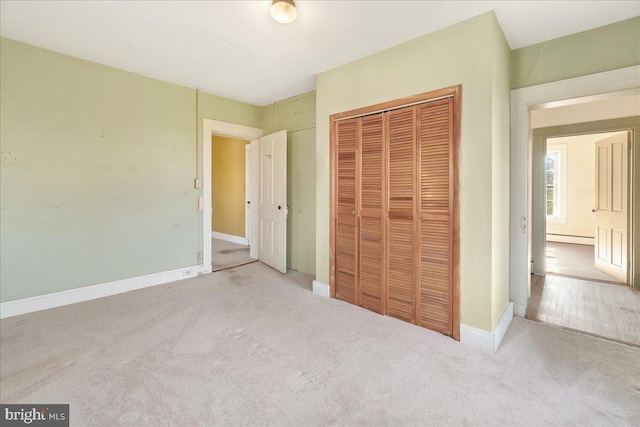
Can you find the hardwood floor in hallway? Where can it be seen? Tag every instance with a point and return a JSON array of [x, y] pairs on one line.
[[574, 260], [608, 310]]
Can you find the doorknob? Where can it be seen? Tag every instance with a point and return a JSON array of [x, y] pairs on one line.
[[593, 210], [279, 207], [353, 212], [419, 216]]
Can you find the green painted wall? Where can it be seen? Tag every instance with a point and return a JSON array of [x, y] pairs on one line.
[[227, 110], [601, 49], [101, 187], [500, 153], [298, 116], [474, 54], [228, 185]]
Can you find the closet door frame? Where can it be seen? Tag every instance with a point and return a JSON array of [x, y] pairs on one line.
[[453, 91]]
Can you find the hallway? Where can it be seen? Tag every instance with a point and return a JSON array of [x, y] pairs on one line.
[[607, 310]]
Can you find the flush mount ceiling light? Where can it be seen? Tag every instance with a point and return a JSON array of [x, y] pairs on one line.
[[283, 11]]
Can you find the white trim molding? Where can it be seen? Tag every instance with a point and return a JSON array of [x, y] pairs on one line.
[[519, 310], [321, 289], [487, 340], [608, 84], [86, 293], [230, 238]]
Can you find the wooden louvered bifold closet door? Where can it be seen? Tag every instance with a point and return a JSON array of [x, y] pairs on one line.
[[401, 232], [371, 213], [347, 133], [395, 219], [435, 184]]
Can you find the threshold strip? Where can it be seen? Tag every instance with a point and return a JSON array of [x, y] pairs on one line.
[[234, 266]]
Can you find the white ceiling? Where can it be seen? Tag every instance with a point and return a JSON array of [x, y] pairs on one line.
[[235, 49]]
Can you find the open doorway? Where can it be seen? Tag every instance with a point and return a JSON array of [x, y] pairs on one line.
[[267, 228], [211, 129], [584, 229], [587, 206], [602, 102], [230, 202]]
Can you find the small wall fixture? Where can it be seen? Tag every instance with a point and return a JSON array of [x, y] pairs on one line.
[[283, 11]]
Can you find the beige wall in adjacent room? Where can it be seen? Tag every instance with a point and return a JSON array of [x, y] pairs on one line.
[[228, 185], [581, 188], [472, 53]]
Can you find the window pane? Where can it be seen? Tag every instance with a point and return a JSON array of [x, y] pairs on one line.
[[550, 177], [550, 163], [550, 208], [550, 193]]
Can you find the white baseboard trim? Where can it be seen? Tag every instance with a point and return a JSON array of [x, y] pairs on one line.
[[86, 293], [519, 310], [571, 239], [503, 324], [321, 289], [487, 340], [230, 238]]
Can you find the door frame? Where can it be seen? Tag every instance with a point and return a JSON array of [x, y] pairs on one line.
[[209, 128], [456, 93], [577, 90], [539, 226]]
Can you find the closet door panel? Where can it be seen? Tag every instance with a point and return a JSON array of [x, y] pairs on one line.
[[401, 235], [346, 246], [372, 195], [436, 203]]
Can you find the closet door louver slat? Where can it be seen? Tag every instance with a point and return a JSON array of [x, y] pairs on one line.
[[401, 235], [436, 207], [346, 145], [372, 201]]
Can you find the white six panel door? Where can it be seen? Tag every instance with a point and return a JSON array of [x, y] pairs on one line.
[[273, 200], [612, 206]]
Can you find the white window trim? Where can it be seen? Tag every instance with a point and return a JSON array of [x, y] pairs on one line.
[[561, 170]]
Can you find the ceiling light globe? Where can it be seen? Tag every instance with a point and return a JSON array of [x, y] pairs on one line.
[[283, 11]]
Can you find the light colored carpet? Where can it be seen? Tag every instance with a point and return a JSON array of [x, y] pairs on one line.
[[248, 346], [574, 260], [226, 254]]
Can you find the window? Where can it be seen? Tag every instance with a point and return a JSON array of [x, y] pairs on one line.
[[556, 182], [552, 184]]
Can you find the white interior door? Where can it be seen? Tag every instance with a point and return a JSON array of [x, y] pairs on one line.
[[612, 206], [273, 200]]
